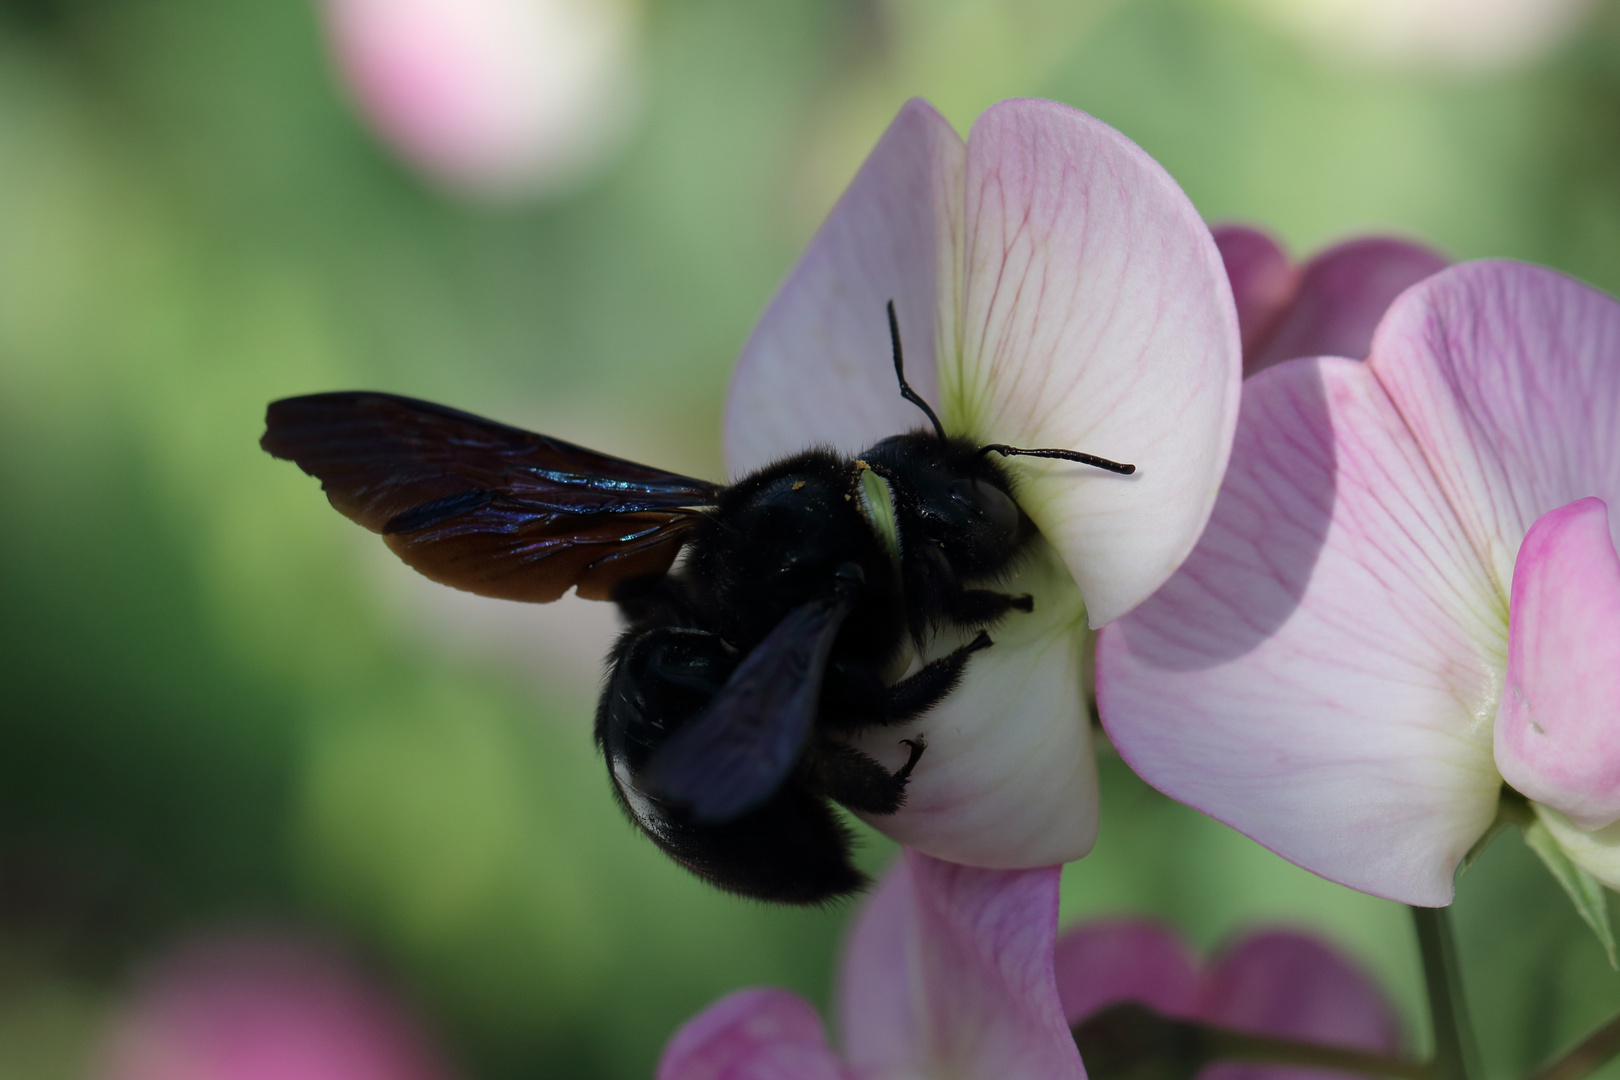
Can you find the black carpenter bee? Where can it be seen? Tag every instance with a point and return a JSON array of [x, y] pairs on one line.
[[806, 590]]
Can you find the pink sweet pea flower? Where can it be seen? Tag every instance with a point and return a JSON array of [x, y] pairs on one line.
[[1327, 307], [947, 973], [492, 97], [1408, 592], [1280, 983], [1054, 288], [263, 1007], [957, 972]]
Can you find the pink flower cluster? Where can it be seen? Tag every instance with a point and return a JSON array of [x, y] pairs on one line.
[[954, 971], [1358, 615]]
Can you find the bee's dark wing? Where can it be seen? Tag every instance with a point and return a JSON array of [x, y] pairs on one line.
[[512, 553], [482, 506], [735, 753]]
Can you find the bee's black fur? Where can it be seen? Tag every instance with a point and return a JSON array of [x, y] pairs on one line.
[[776, 540]]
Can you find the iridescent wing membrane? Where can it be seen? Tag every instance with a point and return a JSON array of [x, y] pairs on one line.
[[482, 506]]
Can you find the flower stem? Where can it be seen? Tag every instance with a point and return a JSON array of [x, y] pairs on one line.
[[1587, 1056], [1456, 1055], [1131, 1041], [1227, 1045]]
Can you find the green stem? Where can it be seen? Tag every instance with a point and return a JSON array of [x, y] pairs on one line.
[[1590, 1054], [1223, 1044], [1456, 1055]]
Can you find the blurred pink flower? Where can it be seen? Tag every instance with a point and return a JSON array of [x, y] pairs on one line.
[[1281, 983], [1408, 593], [956, 972], [493, 97], [947, 972], [1055, 288], [1327, 307], [263, 1007]]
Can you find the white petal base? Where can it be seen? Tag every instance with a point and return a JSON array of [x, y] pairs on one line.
[[1008, 781]]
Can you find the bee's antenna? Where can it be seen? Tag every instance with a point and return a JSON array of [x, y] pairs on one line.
[[900, 373], [1066, 455]]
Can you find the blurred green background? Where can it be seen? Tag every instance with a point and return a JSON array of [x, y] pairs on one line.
[[222, 703]]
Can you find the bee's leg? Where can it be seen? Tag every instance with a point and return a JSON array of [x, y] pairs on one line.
[[928, 686], [981, 607], [842, 772], [854, 698], [932, 576]]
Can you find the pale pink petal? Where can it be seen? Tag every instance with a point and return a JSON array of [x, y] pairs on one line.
[[878, 1019], [752, 1035], [1319, 675], [1096, 316], [1558, 730], [976, 976], [1109, 961], [1340, 297], [1509, 378], [1294, 986], [818, 369], [1263, 281], [263, 1007], [1009, 779]]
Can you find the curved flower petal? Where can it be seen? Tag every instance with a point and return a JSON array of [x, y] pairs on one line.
[[1096, 316], [1008, 780], [975, 980], [1339, 298], [1506, 375], [1316, 674], [818, 370], [1324, 672], [1104, 962], [756, 1034], [1294, 986], [1558, 730], [1263, 282]]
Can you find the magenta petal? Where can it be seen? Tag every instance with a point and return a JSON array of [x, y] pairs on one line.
[[1340, 297], [1263, 281], [263, 1006], [752, 1035], [1293, 986], [1558, 730], [1101, 963], [971, 992], [818, 368]]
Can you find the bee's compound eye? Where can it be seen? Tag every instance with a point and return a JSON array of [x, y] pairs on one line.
[[990, 501]]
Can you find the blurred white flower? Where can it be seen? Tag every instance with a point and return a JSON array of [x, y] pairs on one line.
[[493, 98], [1459, 35]]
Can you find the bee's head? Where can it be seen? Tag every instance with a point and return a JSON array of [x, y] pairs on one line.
[[951, 496]]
